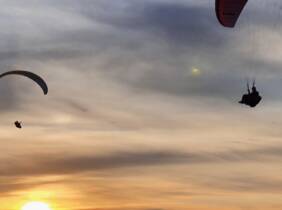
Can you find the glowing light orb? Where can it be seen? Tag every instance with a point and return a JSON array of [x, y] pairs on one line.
[[36, 206], [195, 71]]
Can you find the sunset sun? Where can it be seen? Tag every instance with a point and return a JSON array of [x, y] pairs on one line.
[[36, 206]]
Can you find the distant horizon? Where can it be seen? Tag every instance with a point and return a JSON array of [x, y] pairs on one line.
[[142, 108]]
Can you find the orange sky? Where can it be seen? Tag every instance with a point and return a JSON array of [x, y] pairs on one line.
[[126, 124]]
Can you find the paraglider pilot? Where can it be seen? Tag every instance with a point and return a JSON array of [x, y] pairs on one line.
[[252, 98], [18, 124]]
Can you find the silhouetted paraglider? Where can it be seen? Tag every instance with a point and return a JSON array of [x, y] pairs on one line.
[[31, 76], [228, 11], [252, 98], [18, 124]]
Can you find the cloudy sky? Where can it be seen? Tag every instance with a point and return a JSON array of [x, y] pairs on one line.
[[128, 124]]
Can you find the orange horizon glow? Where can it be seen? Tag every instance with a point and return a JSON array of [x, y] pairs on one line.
[[36, 205]]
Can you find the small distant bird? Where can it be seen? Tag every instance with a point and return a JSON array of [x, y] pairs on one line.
[[18, 124]]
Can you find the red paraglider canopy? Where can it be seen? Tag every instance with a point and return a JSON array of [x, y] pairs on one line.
[[228, 11]]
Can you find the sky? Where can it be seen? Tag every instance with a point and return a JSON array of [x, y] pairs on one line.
[[127, 123]]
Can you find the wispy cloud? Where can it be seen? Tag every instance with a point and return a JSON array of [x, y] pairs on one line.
[[124, 105], [57, 164]]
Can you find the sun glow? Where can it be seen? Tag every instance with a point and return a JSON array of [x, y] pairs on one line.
[[195, 71], [36, 206]]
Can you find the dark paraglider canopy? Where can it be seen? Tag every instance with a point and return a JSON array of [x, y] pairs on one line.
[[228, 11], [252, 98], [31, 76], [18, 124]]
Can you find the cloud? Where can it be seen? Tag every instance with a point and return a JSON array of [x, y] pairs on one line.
[[123, 208], [9, 186], [248, 184], [177, 23], [58, 164], [109, 167], [114, 66], [148, 46]]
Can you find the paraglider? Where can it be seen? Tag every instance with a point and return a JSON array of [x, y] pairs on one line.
[[228, 11], [252, 98], [37, 79], [18, 124], [29, 75]]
